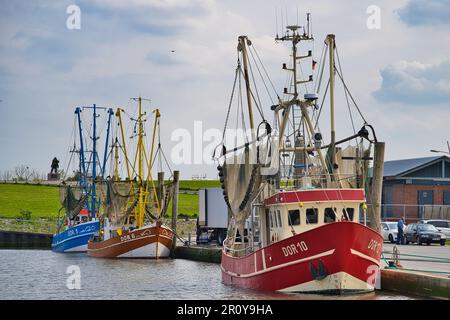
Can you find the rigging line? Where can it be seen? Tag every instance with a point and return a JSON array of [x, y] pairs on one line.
[[260, 74], [159, 147], [265, 71], [72, 134], [231, 98], [345, 91], [321, 106], [154, 159], [316, 83], [351, 97], [67, 169], [244, 127], [254, 99], [254, 84], [129, 162], [167, 162], [322, 66], [241, 107]]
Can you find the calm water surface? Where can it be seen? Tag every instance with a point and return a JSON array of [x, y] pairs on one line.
[[41, 274]]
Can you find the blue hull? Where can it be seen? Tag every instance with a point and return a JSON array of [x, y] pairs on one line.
[[75, 239]]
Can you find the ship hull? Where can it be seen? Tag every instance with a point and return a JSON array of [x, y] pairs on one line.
[[75, 239], [336, 258], [147, 242]]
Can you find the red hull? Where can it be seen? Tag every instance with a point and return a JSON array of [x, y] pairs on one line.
[[335, 257]]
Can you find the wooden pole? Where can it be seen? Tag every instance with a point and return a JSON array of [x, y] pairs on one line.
[[176, 181], [330, 42], [377, 187], [160, 188]]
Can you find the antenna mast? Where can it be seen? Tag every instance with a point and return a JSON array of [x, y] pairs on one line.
[[295, 37]]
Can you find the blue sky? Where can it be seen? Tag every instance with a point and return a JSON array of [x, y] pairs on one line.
[[400, 74]]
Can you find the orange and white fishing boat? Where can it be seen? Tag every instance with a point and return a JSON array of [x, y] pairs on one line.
[[296, 204], [133, 209], [154, 241]]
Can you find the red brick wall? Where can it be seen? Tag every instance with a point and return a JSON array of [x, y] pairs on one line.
[[408, 194]]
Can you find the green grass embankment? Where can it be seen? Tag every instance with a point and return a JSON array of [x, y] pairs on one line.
[[42, 201]]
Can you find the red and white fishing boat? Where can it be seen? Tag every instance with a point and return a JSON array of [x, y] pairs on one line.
[[296, 207], [333, 253]]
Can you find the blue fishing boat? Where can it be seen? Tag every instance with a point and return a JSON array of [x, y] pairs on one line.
[[79, 200]]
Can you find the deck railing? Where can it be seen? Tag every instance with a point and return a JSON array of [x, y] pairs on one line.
[[316, 181]]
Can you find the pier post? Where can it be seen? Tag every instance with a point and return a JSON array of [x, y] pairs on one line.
[[176, 181], [160, 188], [377, 187]]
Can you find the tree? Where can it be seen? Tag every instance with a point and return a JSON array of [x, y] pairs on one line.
[[22, 173], [7, 175]]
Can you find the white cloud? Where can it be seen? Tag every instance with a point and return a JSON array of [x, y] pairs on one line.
[[124, 49], [415, 82], [164, 4], [425, 12]]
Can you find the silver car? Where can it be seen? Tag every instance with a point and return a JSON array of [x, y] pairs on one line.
[[442, 225], [389, 231]]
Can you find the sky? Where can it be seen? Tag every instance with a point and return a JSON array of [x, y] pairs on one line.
[[181, 54]]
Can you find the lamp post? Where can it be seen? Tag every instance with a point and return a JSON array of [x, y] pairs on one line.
[[438, 151]]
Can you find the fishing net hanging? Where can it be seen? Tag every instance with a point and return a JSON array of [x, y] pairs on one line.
[[72, 200], [167, 195], [242, 180], [119, 200]]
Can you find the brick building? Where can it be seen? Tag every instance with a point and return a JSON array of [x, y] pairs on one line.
[[416, 188]]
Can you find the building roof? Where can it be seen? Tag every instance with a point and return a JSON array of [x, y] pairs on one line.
[[397, 167]]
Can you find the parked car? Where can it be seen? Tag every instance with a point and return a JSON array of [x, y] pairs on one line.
[[424, 233], [389, 231], [442, 225]]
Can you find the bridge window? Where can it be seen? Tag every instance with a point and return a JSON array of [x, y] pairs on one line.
[[271, 219], [279, 219], [330, 215], [348, 213], [294, 217], [312, 215]]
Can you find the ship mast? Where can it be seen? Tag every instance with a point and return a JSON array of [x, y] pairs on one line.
[[124, 144], [140, 174], [331, 45], [285, 106], [94, 164], [243, 42], [140, 156]]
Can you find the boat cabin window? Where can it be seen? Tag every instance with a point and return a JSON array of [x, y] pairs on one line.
[[330, 215], [312, 215], [279, 225], [294, 217], [348, 213], [271, 220]]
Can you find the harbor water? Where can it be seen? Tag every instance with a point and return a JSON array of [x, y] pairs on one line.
[[43, 274]]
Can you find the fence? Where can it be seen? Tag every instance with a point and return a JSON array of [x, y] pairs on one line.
[[413, 213]]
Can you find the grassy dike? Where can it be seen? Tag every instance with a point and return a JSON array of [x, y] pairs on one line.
[[34, 208]]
